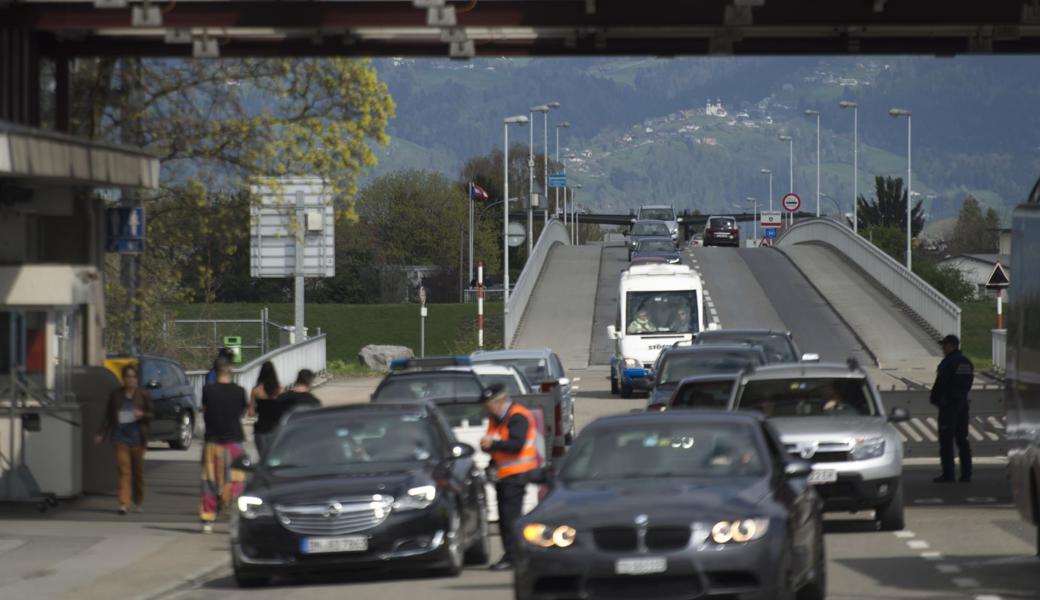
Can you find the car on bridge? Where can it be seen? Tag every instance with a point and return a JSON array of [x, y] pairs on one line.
[[702, 391], [360, 486], [779, 346], [656, 247], [721, 231], [684, 504], [660, 212], [646, 229], [832, 415], [682, 361]]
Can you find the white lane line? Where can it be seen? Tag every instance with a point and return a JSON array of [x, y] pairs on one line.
[[8, 544], [908, 430], [965, 582], [981, 500], [918, 545], [932, 555], [988, 597], [995, 423], [575, 387], [928, 501], [948, 569], [927, 432], [975, 433], [905, 534], [576, 379]]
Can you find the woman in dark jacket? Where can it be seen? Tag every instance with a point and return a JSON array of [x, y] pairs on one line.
[[263, 405], [126, 424]]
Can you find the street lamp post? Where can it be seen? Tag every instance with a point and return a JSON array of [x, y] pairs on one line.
[[530, 174], [755, 201], [545, 146], [855, 161], [574, 213], [790, 166], [816, 113], [563, 125], [770, 173], [895, 113], [515, 120]]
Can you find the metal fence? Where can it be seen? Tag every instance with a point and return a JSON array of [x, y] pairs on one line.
[[288, 360], [936, 312], [553, 233]]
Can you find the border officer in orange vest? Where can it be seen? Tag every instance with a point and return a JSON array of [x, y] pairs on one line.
[[510, 440]]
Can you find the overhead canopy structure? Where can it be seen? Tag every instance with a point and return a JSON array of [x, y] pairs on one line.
[[208, 28]]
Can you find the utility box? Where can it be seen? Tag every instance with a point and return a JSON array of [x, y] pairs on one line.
[[234, 344]]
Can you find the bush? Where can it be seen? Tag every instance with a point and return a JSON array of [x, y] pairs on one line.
[[947, 280], [890, 240]]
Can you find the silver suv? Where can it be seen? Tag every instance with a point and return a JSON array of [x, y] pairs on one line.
[[832, 415]]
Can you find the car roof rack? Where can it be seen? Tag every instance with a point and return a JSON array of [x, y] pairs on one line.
[[430, 363]]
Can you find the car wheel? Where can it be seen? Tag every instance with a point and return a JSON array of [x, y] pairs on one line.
[[454, 552], [479, 553], [816, 588], [626, 390], [185, 433], [890, 514], [243, 580]]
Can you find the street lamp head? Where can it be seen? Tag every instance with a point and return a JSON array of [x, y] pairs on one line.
[[765, 171], [847, 104], [553, 104], [812, 113], [563, 125], [515, 120], [785, 138], [899, 112], [541, 108]]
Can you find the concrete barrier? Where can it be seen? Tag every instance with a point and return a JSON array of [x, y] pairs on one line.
[[937, 313], [553, 233], [288, 360]]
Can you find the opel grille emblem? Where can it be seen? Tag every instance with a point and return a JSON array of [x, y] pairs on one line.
[[641, 524], [333, 510], [642, 520], [807, 451]]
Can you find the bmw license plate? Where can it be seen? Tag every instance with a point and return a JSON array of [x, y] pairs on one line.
[[641, 566], [320, 545], [819, 476]]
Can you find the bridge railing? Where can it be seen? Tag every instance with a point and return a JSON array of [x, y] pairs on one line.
[[287, 360], [553, 233], [937, 312]]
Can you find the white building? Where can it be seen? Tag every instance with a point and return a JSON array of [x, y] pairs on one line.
[[977, 269], [716, 109]]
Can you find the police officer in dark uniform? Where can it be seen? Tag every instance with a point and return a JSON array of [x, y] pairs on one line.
[[950, 394], [510, 441]]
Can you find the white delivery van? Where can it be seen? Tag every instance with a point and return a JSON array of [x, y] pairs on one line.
[[658, 305]]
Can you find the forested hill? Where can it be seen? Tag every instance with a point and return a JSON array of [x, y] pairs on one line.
[[640, 133]]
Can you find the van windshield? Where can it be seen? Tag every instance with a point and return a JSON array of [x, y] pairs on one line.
[[657, 214], [662, 312]]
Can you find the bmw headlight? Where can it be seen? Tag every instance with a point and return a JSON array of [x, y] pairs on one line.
[[866, 448], [739, 531], [417, 498], [673, 260], [545, 536], [631, 363], [251, 507]]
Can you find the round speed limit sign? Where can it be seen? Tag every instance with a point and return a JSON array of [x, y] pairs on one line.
[[791, 202]]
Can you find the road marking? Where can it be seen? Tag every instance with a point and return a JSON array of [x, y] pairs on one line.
[[906, 429], [965, 582], [714, 313], [948, 569], [928, 501], [918, 544], [576, 379], [975, 433], [926, 431], [575, 387], [988, 597], [981, 500], [932, 555], [7, 544], [905, 534]]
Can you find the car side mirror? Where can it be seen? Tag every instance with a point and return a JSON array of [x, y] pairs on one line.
[[797, 469], [898, 415], [461, 450], [612, 332], [810, 357], [564, 381], [153, 384], [243, 463]]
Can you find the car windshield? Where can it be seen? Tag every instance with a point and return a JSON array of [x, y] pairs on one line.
[[534, 370], [664, 450], [703, 394], [507, 381], [657, 214], [343, 441], [723, 223], [662, 312], [464, 414], [776, 346], [434, 387], [823, 397], [655, 246], [676, 366], [650, 228]]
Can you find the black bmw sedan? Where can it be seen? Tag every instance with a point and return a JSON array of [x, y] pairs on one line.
[[681, 505], [357, 488]]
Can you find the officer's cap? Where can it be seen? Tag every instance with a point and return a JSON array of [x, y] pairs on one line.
[[493, 392], [952, 340]]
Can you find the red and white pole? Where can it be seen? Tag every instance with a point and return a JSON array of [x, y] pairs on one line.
[[480, 304], [1000, 310]]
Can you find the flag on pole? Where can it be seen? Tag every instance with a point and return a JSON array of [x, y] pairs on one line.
[[477, 193]]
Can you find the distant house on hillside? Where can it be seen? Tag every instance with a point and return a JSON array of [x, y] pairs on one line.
[[715, 110], [977, 269]]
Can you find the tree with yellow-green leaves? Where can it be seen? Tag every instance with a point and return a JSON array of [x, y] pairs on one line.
[[218, 127]]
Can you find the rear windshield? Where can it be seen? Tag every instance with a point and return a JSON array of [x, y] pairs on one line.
[[534, 370], [679, 365], [823, 397], [722, 223], [433, 388], [506, 381], [655, 246], [657, 214], [463, 414], [776, 346], [650, 228], [703, 394]]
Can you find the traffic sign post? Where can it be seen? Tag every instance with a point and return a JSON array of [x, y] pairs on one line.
[[771, 220], [422, 321], [999, 281], [791, 203], [557, 180], [516, 234]]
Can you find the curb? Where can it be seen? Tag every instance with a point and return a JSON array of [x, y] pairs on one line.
[[185, 582]]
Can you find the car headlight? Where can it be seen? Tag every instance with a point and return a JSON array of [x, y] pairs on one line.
[[545, 536], [417, 498], [739, 531], [251, 507], [865, 448], [673, 260], [631, 363]]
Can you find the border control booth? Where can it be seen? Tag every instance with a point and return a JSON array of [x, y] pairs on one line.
[[52, 313]]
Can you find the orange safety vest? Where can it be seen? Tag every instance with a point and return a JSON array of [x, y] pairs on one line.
[[508, 464]]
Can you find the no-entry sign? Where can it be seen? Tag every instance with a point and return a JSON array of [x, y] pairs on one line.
[[791, 202]]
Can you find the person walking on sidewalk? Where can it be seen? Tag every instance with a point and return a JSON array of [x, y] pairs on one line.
[[950, 395], [263, 404], [127, 417], [510, 440], [223, 406]]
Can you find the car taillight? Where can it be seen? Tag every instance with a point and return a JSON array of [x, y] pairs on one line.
[[548, 386]]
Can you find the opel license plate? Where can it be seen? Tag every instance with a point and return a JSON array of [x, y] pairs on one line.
[[819, 476], [641, 566], [321, 545]]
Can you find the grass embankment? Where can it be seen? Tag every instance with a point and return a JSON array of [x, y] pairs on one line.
[[978, 318], [450, 328]]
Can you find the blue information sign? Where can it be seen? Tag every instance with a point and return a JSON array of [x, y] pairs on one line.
[[124, 229], [771, 232], [557, 180]]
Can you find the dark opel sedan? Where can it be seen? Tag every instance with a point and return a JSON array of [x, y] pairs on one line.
[[356, 488], [675, 505]]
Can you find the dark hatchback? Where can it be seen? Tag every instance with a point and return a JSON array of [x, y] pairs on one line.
[[679, 362], [646, 229], [656, 247], [357, 488], [721, 231], [173, 400], [704, 391], [779, 346], [675, 505]]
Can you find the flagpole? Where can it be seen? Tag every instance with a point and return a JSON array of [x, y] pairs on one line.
[[469, 201]]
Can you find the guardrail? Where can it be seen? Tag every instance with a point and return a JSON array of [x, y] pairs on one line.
[[288, 360], [936, 312], [553, 233], [999, 349]]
